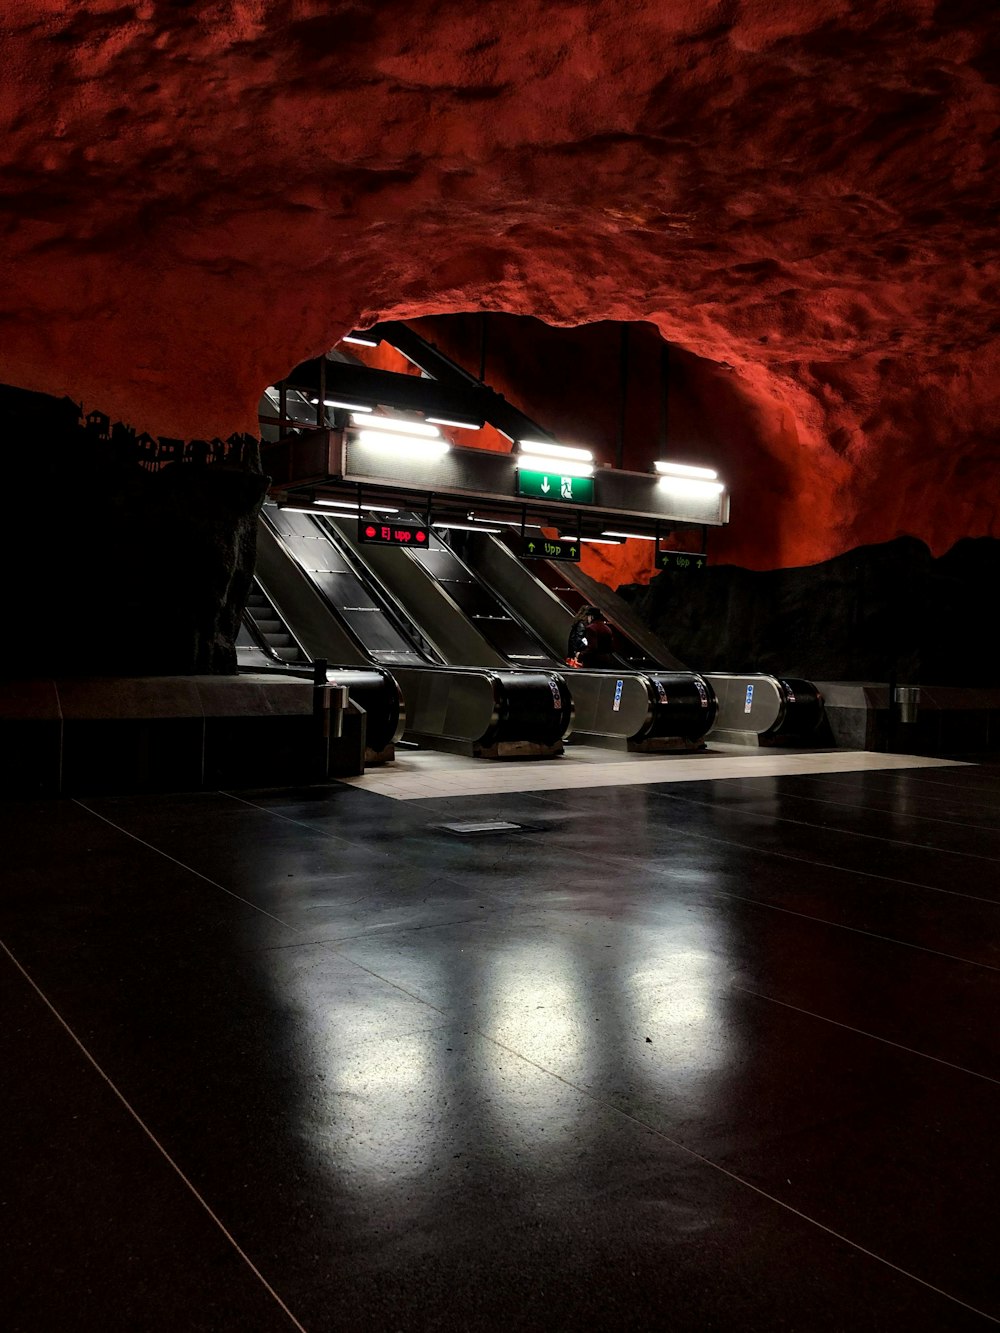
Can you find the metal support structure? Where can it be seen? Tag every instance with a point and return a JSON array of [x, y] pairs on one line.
[[282, 409], [623, 353], [664, 398], [321, 400]]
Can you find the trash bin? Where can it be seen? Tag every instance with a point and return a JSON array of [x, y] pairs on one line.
[[907, 699]]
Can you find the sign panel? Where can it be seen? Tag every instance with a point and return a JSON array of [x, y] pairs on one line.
[[393, 534], [748, 706], [552, 486], [618, 696], [543, 548], [683, 560]]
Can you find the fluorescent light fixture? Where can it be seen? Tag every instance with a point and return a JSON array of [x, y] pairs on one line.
[[602, 541], [300, 509], [398, 426], [402, 446], [337, 402], [642, 536], [550, 450], [458, 425], [360, 338], [555, 466], [688, 486], [354, 510], [465, 527], [685, 470]]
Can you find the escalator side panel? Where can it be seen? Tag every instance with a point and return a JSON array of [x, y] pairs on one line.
[[365, 621], [424, 600]]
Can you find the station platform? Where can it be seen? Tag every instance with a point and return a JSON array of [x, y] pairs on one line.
[[686, 1043]]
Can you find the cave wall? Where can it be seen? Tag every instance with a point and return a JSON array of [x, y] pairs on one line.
[[802, 198], [118, 564], [877, 613]]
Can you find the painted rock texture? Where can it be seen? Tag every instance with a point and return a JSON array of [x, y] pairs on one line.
[[800, 198]]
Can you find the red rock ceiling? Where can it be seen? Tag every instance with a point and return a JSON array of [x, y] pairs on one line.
[[803, 192]]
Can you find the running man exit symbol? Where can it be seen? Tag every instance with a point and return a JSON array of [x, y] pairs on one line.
[[554, 486]]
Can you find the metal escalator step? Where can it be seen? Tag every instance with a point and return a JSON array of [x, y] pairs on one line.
[[289, 654], [279, 640]]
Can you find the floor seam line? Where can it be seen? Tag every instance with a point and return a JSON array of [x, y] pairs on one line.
[[806, 916], [184, 866], [825, 828], [844, 870], [896, 814], [691, 1152], [861, 1032], [192, 1188], [748, 1184]]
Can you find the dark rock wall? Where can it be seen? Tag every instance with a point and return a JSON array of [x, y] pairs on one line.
[[112, 569], [875, 613]]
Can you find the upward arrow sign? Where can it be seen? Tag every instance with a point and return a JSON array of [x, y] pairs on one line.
[[545, 487]]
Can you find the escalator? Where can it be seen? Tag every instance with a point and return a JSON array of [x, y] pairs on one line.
[[338, 610], [265, 643], [475, 620], [680, 707], [751, 708]]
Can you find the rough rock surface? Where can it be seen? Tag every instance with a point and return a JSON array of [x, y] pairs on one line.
[[115, 570], [200, 195], [877, 613]]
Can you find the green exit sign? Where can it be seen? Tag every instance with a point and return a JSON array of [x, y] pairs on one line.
[[542, 548], [682, 560], [553, 486]]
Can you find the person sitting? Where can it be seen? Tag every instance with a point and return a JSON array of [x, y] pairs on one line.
[[591, 641], [578, 635], [600, 646]]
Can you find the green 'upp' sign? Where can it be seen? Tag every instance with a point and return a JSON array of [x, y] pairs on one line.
[[543, 548], [553, 486], [681, 560]]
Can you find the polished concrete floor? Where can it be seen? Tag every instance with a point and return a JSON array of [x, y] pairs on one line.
[[669, 1055]]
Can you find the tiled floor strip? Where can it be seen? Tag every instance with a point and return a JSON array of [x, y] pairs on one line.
[[416, 775]]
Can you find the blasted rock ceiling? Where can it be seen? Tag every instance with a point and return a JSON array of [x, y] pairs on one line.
[[801, 194]]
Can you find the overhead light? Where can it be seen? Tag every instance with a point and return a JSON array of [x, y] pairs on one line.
[[567, 467], [403, 446], [337, 402], [360, 338], [399, 426], [603, 541], [356, 509], [465, 527], [685, 470], [642, 536], [458, 425], [301, 509], [550, 450], [688, 486]]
